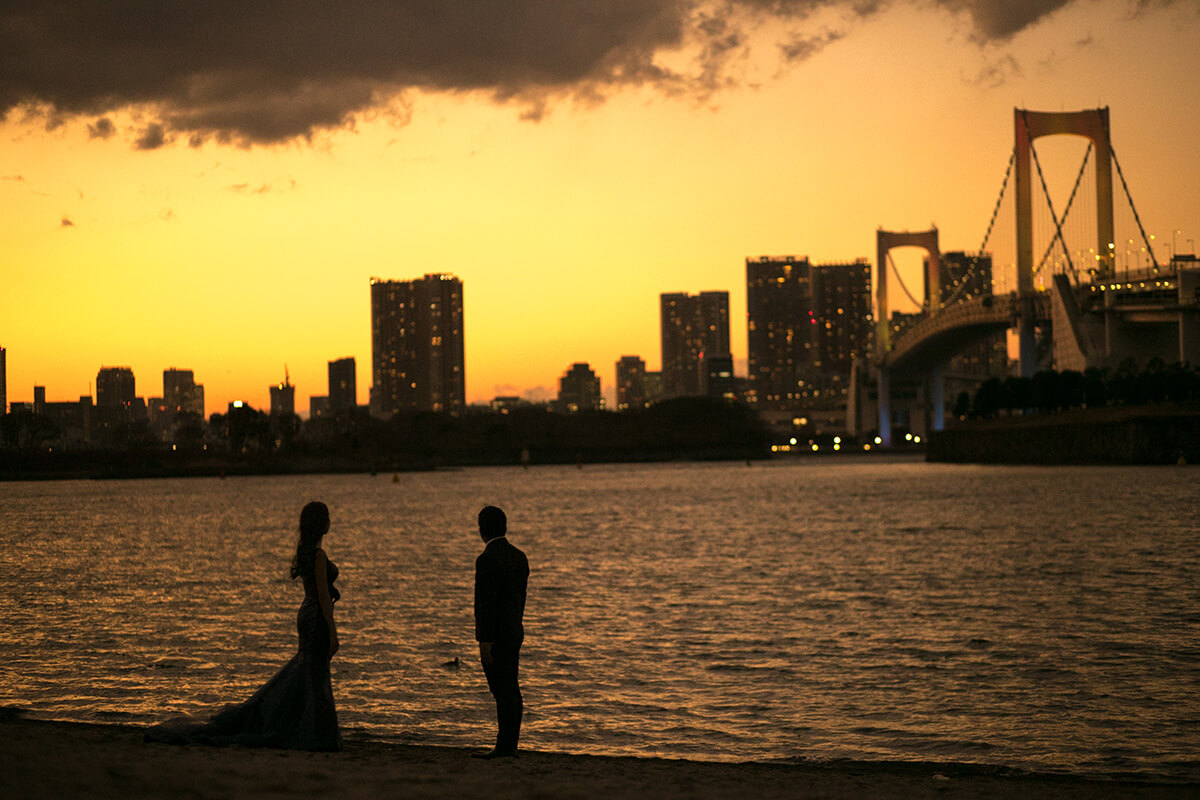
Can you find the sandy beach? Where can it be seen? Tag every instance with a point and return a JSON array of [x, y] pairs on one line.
[[40, 759]]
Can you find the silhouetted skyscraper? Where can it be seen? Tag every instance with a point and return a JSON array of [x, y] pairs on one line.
[[343, 385], [417, 345], [3, 381], [115, 388], [182, 393], [693, 327], [718, 377], [780, 328], [579, 389], [806, 323], [842, 307], [631, 383], [283, 398]]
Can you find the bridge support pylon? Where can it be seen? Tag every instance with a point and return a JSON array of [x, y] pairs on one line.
[[938, 397], [1028, 126], [884, 384], [884, 242]]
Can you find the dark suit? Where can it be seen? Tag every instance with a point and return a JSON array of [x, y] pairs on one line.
[[501, 576]]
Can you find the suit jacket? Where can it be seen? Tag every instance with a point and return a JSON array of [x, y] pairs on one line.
[[501, 575]]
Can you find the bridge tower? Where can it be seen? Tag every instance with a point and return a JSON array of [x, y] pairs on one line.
[[1031, 125], [885, 242]]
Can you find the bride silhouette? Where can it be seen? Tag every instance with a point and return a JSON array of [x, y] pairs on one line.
[[295, 708]]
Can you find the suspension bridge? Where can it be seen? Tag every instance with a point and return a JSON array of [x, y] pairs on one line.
[[1074, 307]]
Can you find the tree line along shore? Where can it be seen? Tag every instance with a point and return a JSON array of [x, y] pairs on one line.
[[249, 442], [1127, 415]]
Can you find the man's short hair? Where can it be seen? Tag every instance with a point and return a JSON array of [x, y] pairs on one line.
[[492, 522]]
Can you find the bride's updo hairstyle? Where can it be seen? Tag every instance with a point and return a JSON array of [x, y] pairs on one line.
[[314, 524]]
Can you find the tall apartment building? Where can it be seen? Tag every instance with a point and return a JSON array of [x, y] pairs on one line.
[[841, 305], [115, 388], [694, 327], [631, 383], [780, 323], [283, 399], [3, 381], [719, 380], [579, 389], [182, 393], [417, 345], [806, 323], [343, 385]]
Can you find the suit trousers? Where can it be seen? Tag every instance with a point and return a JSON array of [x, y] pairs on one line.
[[502, 678]]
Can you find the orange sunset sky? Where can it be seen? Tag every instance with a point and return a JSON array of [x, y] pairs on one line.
[[213, 190]]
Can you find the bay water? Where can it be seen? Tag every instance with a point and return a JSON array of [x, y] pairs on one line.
[[1040, 618]]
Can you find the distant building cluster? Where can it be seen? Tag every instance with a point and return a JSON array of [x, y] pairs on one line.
[[115, 410], [807, 324]]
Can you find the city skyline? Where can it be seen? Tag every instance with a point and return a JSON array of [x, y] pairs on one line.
[[565, 217]]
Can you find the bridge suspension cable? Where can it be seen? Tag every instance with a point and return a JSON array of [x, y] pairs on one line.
[[1066, 212], [963, 282], [896, 272], [1136, 217]]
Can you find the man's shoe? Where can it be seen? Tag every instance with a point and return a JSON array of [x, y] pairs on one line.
[[488, 756]]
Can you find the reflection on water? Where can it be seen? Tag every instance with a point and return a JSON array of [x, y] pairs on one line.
[[1041, 618]]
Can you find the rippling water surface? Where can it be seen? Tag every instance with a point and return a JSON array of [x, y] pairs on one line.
[[1041, 618]]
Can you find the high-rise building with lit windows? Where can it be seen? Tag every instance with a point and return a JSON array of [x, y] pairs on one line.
[[694, 327], [806, 323], [780, 322], [417, 345], [579, 390], [631, 383], [841, 304]]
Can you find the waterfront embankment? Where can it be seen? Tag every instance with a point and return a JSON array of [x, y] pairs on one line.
[[1127, 435]]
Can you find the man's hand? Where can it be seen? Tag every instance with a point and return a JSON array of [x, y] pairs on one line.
[[485, 653]]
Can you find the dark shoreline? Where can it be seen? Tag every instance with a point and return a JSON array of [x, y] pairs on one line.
[[1116, 436], [99, 465], [110, 761]]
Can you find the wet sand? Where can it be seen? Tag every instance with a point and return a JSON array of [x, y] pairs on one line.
[[40, 759]]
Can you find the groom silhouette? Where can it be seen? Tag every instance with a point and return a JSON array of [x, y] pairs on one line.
[[501, 575]]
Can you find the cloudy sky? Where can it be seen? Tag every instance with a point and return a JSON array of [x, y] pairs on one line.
[[213, 189]]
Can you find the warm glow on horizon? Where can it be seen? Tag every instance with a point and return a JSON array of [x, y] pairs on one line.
[[234, 262]]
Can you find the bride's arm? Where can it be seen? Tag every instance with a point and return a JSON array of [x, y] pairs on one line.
[[322, 577]]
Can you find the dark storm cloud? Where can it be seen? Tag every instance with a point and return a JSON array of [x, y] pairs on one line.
[[264, 71], [1001, 19], [102, 128], [803, 46], [152, 138]]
